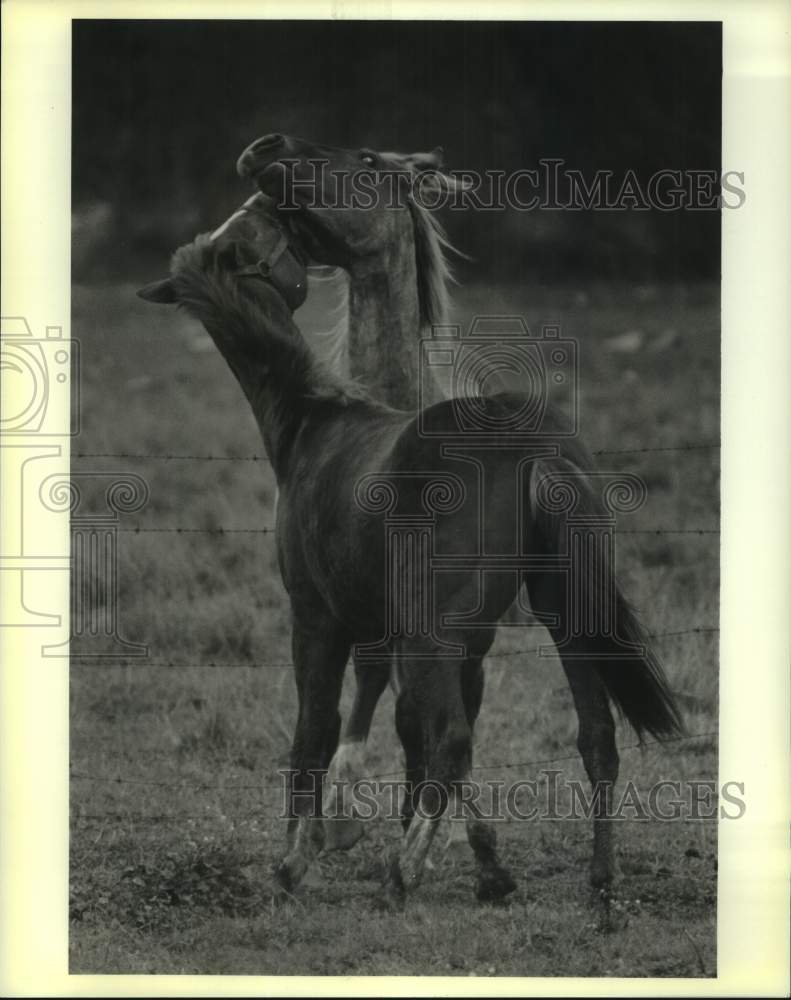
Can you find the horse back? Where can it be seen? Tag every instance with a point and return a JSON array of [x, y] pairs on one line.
[[361, 472]]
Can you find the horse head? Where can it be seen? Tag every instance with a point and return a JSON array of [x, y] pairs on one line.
[[344, 205], [366, 211]]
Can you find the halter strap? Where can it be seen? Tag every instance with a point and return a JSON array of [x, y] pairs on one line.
[[279, 265]]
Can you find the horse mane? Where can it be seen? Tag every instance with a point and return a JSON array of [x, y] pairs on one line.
[[434, 272], [324, 318], [425, 172], [233, 314]]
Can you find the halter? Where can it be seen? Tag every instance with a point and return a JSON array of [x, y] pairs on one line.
[[279, 264]]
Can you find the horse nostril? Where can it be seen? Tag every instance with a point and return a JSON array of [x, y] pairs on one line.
[[267, 142], [265, 147]]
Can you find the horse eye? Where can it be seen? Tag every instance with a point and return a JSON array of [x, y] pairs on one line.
[[368, 159]]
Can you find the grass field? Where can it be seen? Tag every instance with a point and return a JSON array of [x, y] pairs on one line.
[[174, 791]]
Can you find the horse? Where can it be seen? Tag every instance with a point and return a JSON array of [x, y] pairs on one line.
[[343, 463]]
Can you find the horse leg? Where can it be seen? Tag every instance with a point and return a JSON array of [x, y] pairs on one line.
[[342, 829], [319, 664], [494, 881], [436, 699], [596, 733], [411, 735], [596, 743]]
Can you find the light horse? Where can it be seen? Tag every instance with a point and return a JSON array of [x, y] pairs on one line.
[[342, 460], [397, 290]]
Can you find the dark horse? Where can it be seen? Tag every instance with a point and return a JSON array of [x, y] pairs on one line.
[[352, 473]]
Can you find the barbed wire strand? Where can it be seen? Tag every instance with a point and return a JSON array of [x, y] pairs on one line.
[[168, 457], [141, 530], [178, 530], [705, 446], [176, 457]]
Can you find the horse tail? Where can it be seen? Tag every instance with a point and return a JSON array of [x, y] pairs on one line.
[[636, 683]]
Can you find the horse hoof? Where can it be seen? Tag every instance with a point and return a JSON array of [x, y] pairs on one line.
[[390, 899], [393, 895], [604, 874], [494, 885], [280, 897], [612, 915], [387, 901], [341, 834], [284, 884]]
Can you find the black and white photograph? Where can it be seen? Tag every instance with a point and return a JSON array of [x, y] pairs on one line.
[[378, 455]]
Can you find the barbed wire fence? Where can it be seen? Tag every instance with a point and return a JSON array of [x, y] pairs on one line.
[[261, 788], [266, 530]]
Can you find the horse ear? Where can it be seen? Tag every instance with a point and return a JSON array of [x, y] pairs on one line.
[[159, 291], [428, 161]]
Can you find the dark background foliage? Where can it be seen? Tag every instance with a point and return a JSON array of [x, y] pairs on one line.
[[161, 110]]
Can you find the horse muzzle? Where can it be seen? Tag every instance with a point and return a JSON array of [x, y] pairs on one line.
[[260, 154]]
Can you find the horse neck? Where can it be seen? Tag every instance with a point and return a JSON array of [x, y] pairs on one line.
[[263, 349], [279, 408], [384, 326]]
